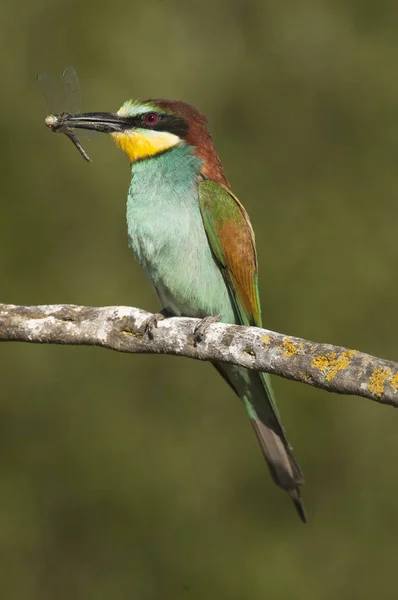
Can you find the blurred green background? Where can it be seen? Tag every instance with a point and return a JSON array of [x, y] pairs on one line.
[[139, 477]]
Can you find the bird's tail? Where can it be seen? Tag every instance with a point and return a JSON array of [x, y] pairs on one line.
[[256, 392], [277, 452]]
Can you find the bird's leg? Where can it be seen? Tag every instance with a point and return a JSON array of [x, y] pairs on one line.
[[149, 325], [201, 329]]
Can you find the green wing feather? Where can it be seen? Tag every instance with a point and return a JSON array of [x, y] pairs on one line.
[[231, 238]]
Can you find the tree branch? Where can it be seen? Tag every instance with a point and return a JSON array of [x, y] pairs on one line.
[[332, 368]]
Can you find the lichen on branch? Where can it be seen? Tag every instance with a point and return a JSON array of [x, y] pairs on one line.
[[331, 368]]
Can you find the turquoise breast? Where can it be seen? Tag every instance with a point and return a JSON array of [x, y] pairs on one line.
[[167, 236]]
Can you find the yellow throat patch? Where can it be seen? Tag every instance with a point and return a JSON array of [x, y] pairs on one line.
[[143, 143]]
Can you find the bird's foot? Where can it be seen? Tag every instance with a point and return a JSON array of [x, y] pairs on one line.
[[201, 329], [149, 325]]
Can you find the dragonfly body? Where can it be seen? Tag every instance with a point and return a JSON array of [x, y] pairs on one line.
[[55, 123]]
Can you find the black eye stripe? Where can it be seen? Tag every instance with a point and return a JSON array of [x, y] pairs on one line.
[[172, 124], [165, 122]]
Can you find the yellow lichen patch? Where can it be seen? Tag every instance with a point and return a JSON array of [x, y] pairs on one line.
[[377, 381], [266, 340], [250, 352], [128, 331], [289, 349], [330, 364], [394, 381], [323, 362]]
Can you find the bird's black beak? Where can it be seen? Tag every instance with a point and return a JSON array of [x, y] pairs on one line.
[[103, 122]]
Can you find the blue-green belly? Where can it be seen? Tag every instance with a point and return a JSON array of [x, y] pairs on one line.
[[167, 236]]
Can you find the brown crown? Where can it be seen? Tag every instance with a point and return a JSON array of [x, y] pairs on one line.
[[198, 136]]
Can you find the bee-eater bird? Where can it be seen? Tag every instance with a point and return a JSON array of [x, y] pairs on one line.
[[194, 239]]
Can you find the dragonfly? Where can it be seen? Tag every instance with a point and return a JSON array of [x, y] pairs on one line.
[[70, 99]]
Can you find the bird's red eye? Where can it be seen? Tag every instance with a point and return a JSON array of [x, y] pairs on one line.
[[151, 118]]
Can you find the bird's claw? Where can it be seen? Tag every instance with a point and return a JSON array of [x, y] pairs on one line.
[[149, 325], [201, 329]]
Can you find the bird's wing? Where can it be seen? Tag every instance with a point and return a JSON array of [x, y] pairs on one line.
[[231, 238]]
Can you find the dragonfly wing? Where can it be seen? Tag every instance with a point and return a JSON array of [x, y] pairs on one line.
[[51, 93], [72, 102]]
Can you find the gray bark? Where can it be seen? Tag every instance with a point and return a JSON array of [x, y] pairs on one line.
[[332, 368]]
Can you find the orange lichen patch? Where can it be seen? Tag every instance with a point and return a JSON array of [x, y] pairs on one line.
[[394, 381], [377, 381], [330, 364], [266, 340]]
